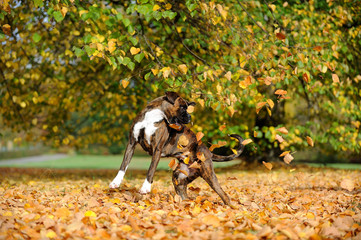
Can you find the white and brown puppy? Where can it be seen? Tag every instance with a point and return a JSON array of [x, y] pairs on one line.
[[150, 130]]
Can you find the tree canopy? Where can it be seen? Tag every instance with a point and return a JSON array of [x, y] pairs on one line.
[[282, 74]]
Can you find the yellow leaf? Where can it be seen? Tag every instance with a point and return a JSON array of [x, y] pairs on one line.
[[222, 11], [310, 141], [270, 103], [183, 141], [126, 228], [125, 83], [279, 138], [222, 127], [228, 75], [166, 71], [183, 68], [348, 184], [55, 129], [111, 45], [81, 12], [186, 160], [255, 133], [173, 164], [156, 7], [90, 213], [63, 11], [231, 111], [246, 141], [23, 104], [134, 50], [269, 111], [234, 151], [273, 7], [155, 71], [201, 102], [51, 234]]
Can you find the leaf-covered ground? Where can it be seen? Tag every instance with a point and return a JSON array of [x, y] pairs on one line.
[[278, 204]]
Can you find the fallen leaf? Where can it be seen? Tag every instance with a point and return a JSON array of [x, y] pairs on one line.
[[176, 126], [347, 184], [194, 165], [284, 153], [183, 141], [190, 109], [211, 219]]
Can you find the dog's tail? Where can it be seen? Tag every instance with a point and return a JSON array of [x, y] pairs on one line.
[[218, 158]]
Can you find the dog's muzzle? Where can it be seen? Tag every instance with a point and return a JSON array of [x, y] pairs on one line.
[[185, 118]]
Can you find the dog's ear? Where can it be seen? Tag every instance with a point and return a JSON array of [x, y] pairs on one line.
[[171, 96], [191, 103]]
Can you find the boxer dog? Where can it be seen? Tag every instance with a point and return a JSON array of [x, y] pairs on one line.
[[160, 130]]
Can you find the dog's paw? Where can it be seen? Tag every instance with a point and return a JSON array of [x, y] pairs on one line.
[[146, 187], [114, 185]]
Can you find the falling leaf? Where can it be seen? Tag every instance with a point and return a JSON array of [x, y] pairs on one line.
[[279, 138], [310, 141], [288, 158], [201, 156], [176, 126], [183, 68], [234, 151], [51, 234], [199, 136], [173, 164], [347, 184], [260, 106], [194, 165], [218, 145], [285, 153], [255, 133], [134, 50], [155, 71], [282, 130], [186, 160], [183, 141], [335, 78], [184, 172], [247, 141], [190, 109], [267, 165]]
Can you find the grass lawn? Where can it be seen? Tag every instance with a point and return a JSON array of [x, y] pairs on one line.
[[103, 162], [353, 166]]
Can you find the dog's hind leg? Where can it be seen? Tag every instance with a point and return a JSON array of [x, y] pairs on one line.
[[208, 174], [180, 180], [125, 163]]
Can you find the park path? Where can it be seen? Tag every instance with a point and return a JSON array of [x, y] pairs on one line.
[[41, 158]]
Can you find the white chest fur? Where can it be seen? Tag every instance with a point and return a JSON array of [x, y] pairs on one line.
[[147, 124]]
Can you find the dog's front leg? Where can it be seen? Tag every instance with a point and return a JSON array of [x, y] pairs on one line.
[[146, 187], [123, 167]]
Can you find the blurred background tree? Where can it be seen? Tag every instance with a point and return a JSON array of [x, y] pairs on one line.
[[75, 73]]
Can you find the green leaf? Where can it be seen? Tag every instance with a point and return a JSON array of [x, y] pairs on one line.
[[78, 51], [126, 22], [133, 40], [139, 57], [38, 3], [119, 16], [58, 16], [157, 15], [126, 60], [2, 35], [146, 77], [89, 50], [36, 37], [87, 38], [131, 65]]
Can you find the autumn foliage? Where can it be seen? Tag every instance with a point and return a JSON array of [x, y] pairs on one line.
[[75, 73], [280, 204]]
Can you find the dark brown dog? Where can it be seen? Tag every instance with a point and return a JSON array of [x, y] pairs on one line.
[[151, 129]]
